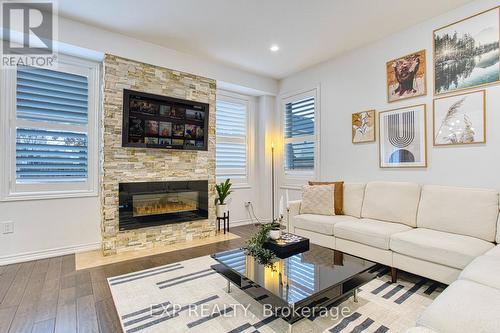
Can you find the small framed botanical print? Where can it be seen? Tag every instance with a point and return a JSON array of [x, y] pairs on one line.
[[363, 126]]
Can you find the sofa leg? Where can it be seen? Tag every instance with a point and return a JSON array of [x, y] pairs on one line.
[[394, 274]]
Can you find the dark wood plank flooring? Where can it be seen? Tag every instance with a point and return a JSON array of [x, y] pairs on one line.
[[49, 295]]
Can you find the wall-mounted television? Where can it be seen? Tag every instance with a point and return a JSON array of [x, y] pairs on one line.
[[154, 121]]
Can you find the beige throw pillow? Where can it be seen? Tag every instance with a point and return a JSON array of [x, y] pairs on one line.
[[318, 199]]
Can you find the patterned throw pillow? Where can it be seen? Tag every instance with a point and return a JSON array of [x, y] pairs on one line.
[[318, 199]]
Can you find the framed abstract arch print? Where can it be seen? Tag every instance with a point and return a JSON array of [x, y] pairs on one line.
[[403, 137]]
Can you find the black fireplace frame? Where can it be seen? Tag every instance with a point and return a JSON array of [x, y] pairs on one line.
[[127, 190]]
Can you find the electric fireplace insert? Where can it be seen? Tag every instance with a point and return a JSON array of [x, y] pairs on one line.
[[157, 203]]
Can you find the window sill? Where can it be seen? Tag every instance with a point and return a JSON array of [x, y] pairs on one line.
[[241, 186], [48, 195]]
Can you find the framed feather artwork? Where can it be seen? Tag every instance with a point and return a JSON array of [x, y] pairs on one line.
[[460, 119]]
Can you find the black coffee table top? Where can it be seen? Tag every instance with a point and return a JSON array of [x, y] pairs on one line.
[[299, 279]]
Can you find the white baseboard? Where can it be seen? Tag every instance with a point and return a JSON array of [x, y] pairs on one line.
[[42, 254], [237, 223]]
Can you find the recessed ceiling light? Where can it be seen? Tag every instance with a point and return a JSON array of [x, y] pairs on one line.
[[274, 48]]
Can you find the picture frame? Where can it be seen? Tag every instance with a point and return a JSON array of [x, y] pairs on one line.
[[403, 137], [406, 76], [455, 119], [481, 68], [363, 127]]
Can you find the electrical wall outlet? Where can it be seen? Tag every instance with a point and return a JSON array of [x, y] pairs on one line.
[[247, 204], [8, 227]]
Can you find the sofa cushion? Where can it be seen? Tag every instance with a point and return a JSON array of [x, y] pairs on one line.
[[338, 196], [353, 198], [464, 211], [464, 307], [369, 232], [439, 247], [318, 200], [494, 252], [484, 270], [391, 202], [498, 229], [322, 224]]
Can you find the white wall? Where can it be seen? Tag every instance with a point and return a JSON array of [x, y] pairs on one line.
[[356, 81], [51, 227]]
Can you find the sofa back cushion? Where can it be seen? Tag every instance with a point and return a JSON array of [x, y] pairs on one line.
[[392, 202], [353, 199], [498, 230], [463, 211]]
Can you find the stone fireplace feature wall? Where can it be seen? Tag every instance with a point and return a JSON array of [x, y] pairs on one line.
[[141, 164]]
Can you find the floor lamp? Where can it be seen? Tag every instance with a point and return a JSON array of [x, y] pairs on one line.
[[272, 181]]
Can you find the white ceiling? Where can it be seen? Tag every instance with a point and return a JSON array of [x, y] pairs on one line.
[[240, 32]]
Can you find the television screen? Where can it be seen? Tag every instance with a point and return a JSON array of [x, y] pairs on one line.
[[154, 121]]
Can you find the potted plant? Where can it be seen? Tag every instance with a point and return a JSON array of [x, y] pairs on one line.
[[223, 191], [275, 230]]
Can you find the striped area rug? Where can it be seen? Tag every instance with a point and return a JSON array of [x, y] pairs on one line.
[[189, 297]]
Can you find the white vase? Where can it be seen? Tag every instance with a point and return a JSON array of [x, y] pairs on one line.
[[275, 234], [220, 210]]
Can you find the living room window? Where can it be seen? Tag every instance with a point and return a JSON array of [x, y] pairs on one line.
[[300, 135], [233, 139], [51, 143]]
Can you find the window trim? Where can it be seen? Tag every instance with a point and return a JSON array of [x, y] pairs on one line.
[[294, 179], [10, 190], [229, 96]]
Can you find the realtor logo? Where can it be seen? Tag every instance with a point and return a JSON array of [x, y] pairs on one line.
[[28, 33]]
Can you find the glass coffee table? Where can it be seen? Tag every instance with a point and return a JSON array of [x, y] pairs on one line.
[[299, 286]]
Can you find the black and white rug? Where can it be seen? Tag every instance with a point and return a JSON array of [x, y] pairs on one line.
[[189, 297]]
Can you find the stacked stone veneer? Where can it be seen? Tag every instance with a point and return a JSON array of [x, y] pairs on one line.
[[140, 164]]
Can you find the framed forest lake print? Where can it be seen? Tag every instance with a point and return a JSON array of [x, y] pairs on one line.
[[466, 53]]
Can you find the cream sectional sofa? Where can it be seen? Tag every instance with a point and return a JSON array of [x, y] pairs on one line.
[[447, 234]]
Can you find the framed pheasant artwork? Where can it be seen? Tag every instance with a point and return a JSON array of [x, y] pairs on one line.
[[406, 77]]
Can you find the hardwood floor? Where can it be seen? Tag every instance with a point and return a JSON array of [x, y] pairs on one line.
[[49, 295]]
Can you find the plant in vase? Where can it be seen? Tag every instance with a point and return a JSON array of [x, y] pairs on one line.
[[223, 191], [255, 246], [275, 232]]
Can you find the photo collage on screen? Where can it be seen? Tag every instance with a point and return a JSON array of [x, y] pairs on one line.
[[155, 123]]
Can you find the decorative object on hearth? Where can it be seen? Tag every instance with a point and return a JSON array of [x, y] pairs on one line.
[[406, 77], [363, 126], [403, 137], [154, 121], [223, 191], [460, 119], [466, 53]]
